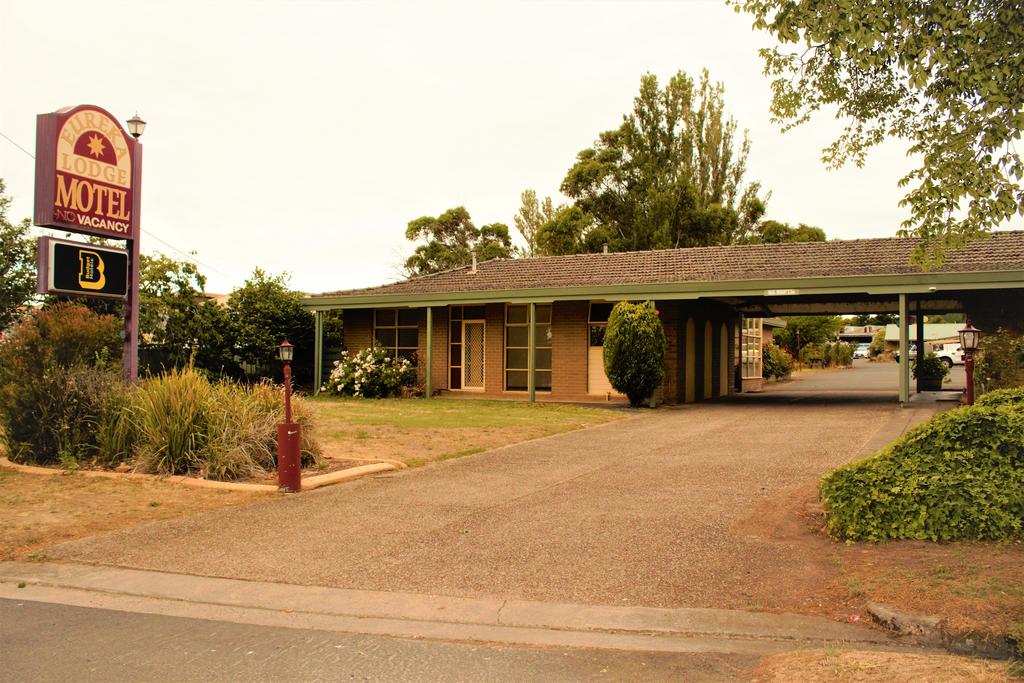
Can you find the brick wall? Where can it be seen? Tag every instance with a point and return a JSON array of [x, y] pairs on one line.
[[570, 343]]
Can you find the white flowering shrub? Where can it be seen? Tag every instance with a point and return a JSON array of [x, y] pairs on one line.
[[370, 373]]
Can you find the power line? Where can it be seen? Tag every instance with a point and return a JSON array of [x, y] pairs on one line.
[[161, 241], [18, 146]]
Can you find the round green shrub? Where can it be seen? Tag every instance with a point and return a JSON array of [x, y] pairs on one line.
[[634, 350], [958, 476]]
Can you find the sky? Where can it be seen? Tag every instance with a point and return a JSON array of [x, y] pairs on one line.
[[302, 137]]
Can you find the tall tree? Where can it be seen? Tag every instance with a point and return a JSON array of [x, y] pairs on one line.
[[774, 232], [451, 238], [264, 312], [17, 264], [569, 231], [531, 216], [947, 77], [807, 329], [672, 174]]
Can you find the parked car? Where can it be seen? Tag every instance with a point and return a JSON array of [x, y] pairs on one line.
[[862, 350], [951, 354]]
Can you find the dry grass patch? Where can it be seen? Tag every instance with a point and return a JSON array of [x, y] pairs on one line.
[[42, 510], [853, 666], [418, 431]]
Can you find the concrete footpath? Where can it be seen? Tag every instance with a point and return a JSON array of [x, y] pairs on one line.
[[417, 616]]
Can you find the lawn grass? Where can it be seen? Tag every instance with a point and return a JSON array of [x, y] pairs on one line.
[[418, 431], [41, 510]]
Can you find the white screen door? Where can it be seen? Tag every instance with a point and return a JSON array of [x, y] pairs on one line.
[[473, 355]]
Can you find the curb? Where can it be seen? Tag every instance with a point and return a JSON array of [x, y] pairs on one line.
[[931, 631], [436, 617], [308, 483]]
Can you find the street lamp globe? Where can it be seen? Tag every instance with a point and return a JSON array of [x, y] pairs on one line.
[[969, 337], [136, 126], [286, 351]]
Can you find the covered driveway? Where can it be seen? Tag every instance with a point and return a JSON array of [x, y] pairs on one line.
[[705, 291]]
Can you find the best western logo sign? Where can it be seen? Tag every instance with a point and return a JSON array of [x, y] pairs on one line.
[[66, 267], [86, 173]]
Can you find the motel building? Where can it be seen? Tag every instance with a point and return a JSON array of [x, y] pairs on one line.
[[533, 328]]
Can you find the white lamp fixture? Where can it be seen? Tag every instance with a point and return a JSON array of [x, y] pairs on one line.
[[286, 351], [136, 126], [969, 337]]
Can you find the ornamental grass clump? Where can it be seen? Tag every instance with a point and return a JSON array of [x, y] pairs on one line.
[[634, 350], [958, 476], [371, 373], [224, 430]]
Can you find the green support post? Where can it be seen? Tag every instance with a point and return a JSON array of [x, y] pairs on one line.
[[318, 352], [532, 353], [904, 350], [920, 344], [429, 374]]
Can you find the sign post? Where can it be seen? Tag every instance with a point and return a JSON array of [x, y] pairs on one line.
[[89, 180]]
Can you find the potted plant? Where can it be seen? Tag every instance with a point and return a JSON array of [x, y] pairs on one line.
[[931, 371]]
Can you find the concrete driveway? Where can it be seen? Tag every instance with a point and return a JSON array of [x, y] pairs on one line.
[[666, 509]]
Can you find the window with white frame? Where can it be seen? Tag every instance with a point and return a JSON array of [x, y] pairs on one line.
[[517, 347], [750, 348]]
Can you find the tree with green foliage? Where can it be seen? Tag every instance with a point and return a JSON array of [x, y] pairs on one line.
[[567, 232], [670, 176], [451, 239], [634, 350], [875, 319], [808, 329], [264, 312], [531, 216], [170, 293], [877, 346], [17, 264], [943, 76], [775, 232]]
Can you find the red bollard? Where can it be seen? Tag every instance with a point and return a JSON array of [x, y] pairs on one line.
[[289, 457], [289, 439]]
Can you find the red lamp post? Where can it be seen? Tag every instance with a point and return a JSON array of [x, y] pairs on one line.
[[969, 337], [289, 435]]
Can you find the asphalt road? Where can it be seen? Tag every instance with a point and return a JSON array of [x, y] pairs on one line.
[[46, 642], [863, 376]]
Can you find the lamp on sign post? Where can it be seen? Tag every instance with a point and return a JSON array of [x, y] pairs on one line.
[[289, 435], [136, 126], [969, 337]]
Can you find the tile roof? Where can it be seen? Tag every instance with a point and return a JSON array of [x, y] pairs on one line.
[[836, 258]]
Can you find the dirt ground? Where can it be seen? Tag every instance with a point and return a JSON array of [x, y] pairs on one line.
[[851, 666], [973, 586], [42, 510]]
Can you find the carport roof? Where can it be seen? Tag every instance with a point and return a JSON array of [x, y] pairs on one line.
[[701, 271]]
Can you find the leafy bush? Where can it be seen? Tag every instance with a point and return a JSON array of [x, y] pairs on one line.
[[775, 362], [223, 430], [958, 476], [842, 354], [1000, 362], [55, 376], [877, 347], [371, 373], [929, 367], [1003, 397], [634, 350], [812, 353]]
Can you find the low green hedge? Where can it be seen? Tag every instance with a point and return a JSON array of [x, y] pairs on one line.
[[1003, 397], [958, 476]]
